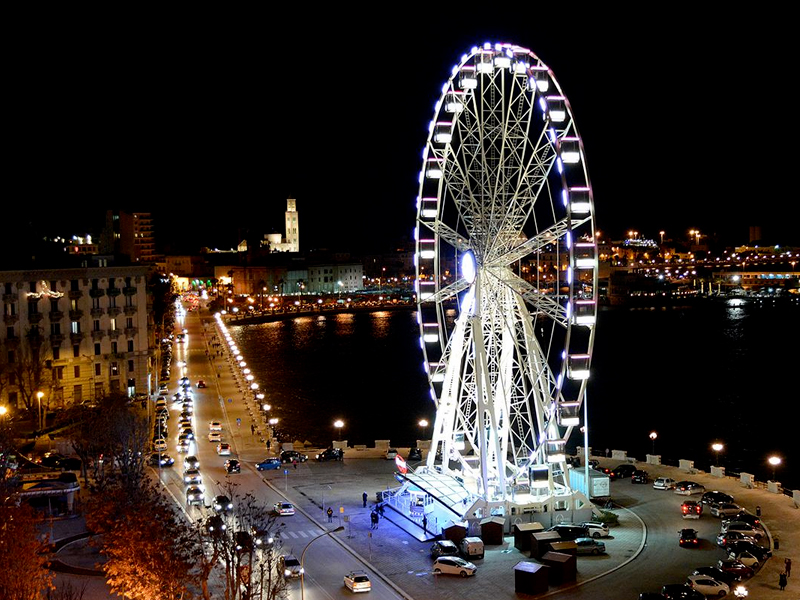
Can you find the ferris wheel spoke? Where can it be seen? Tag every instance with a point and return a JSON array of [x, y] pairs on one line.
[[539, 302]]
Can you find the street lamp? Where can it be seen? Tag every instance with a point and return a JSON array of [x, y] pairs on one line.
[[774, 461], [653, 436], [740, 591], [424, 424], [39, 398], [303, 558], [338, 423], [717, 448]]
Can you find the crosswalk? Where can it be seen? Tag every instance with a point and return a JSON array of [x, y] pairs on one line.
[[301, 534]]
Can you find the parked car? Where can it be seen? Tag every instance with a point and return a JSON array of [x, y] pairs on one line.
[[357, 581], [746, 558], [725, 509], [587, 545], [284, 509], [736, 547], [596, 529], [688, 538], [735, 567], [391, 454], [664, 483], [688, 488], [723, 539], [414, 454], [691, 509], [639, 476], [232, 466], [622, 471], [569, 531], [453, 565], [753, 531], [269, 464], [444, 548], [680, 591], [289, 456], [715, 497], [330, 454], [744, 517], [708, 586], [160, 445], [716, 573], [290, 566]]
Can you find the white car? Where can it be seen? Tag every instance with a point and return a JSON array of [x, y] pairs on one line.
[[160, 445], [284, 509], [453, 565], [215, 436], [746, 558], [357, 581], [183, 446], [596, 529], [192, 477], [664, 483], [215, 426], [391, 454], [708, 586], [223, 449]]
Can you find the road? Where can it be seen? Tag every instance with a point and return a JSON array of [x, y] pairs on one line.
[[325, 561]]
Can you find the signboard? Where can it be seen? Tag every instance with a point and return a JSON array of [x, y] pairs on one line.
[[400, 464]]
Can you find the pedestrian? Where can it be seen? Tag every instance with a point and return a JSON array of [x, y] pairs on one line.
[[330, 514], [758, 511], [374, 519], [294, 462], [788, 566], [364, 498], [425, 523], [782, 580], [380, 509], [252, 429]]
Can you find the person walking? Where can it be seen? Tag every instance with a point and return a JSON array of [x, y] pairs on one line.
[[374, 519], [364, 499], [330, 514], [425, 523], [782, 580], [787, 563]]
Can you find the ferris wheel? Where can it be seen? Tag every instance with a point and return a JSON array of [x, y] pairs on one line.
[[506, 273]]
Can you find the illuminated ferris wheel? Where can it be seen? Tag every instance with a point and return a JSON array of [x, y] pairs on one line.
[[506, 265]]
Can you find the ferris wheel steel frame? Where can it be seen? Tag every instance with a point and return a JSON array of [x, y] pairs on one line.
[[506, 275]]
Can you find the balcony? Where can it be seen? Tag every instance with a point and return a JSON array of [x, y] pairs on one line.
[[75, 315], [130, 331], [129, 291], [11, 319], [113, 291], [97, 292], [34, 318], [113, 333], [56, 315], [130, 310], [75, 294], [98, 334], [76, 338], [56, 339], [9, 298], [97, 312], [114, 311]]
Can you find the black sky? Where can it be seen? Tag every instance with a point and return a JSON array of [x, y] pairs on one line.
[[212, 120]]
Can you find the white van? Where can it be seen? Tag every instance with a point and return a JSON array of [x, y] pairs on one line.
[[472, 548]]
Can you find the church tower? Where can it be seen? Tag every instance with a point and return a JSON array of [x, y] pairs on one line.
[[292, 226]]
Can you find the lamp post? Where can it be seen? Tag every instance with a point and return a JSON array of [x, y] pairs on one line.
[[39, 398], [424, 424], [653, 436], [774, 461], [717, 448], [338, 423], [303, 558]]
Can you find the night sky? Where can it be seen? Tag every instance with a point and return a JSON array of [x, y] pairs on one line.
[[212, 120]]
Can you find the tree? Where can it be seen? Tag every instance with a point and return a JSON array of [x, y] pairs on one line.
[[23, 555], [30, 370]]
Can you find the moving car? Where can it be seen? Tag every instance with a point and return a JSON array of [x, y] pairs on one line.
[[708, 586], [215, 426], [222, 504], [242, 541], [183, 446], [223, 449], [687, 488], [330, 454], [357, 581], [201, 383], [725, 509], [232, 466], [453, 565], [290, 566], [194, 495], [214, 436], [268, 464], [691, 509], [586, 545], [262, 538], [664, 483], [284, 509], [288, 456], [160, 459], [688, 538], [192, 477], [622, 471], [191, 462], [715, 497], [215, 525]]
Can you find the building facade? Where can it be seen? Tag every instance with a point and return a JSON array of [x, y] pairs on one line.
[[74, 335]]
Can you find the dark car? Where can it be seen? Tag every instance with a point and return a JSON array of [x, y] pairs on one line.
[[715, 497], [735, 567], [444, 548], [262, 538], [688, 538], [736, 547], [681, 591], [569, 531], [414, 454], [330, 454], [622, 471], [242, 541], [215, 525], [717, 573], [54, 460], [744, 517], [639, 476], [160, 459], [232, 466], [222, 504], [288, 456]]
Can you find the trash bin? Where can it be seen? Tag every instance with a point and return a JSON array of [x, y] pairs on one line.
[[776, 541]]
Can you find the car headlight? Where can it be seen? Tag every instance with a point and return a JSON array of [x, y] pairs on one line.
[[287, 572]]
